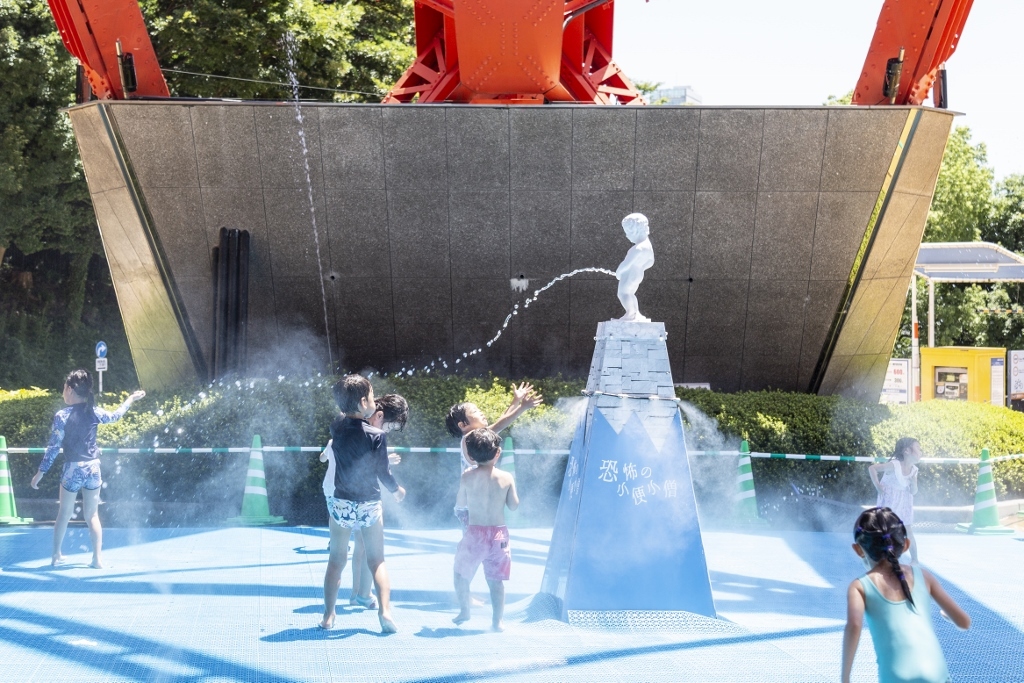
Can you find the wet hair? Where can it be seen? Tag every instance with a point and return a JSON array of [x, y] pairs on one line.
[[456, 414], [80, 382], [899, 451], [482, 444], [395, 409], [349, 392], [881, 533]]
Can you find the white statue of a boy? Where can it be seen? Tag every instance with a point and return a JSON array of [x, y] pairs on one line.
[[630, 272]]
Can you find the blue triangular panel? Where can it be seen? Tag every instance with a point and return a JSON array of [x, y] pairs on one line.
[[626, 534]]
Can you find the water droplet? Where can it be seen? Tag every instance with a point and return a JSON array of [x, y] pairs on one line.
[[409, 373]]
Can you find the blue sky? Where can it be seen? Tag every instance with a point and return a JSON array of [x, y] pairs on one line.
[[745, 52]]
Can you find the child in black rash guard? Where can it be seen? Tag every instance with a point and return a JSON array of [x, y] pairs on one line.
[[360, 453]]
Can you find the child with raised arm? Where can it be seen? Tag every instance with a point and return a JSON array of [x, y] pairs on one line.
[[74, 430], [896, 599], [360, 453], [896, 483], [485, 492]]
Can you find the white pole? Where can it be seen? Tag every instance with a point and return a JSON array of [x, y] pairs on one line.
[[931, 313], [915, 344], [101, 388]]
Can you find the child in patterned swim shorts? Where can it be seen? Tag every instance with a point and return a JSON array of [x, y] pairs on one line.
[[484, 491], [74, 430], [360, 453]]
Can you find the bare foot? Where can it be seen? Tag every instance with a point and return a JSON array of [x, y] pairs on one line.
[[96, 564], [327, 623], [498, 627], [57, 561], [387, 624], [461, 618]]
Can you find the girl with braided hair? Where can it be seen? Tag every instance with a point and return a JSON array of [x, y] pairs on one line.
[[896, 599]]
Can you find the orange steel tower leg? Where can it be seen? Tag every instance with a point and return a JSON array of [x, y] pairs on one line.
[[927, 31], [497, 51], [92, 31]]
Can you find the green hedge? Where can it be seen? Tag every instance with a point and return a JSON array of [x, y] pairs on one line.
[[290, 412]]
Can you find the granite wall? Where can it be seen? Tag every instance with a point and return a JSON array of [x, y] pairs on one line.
[[784, 237]]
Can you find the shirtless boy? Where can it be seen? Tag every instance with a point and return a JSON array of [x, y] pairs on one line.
[[485, 491], [465, 417]]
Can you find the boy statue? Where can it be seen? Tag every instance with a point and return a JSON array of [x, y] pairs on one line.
[[630, 272]]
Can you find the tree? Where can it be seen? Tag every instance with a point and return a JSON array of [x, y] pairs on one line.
[[962, 204], [1006, 226], [360, 46], [837, 100]]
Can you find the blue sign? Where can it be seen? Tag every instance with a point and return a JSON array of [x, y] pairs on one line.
[[101, 349]]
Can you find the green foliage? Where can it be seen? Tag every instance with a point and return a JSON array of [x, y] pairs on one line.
[[360, 45], [962, 204], [836, 100]]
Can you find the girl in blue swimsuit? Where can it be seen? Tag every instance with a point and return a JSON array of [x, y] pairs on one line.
[[896, 598], [74, 430]]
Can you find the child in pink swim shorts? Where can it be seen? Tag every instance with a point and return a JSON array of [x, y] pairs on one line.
[[484, 491]]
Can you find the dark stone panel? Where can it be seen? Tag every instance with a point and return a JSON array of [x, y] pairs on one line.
[[723, 235], [663, 300], [824, 299], [671, 218], [716, 315], [293, 242], [540, 227], [300, 320], [418, 345], [581, 347], [666, 149], [836, 367], [881, 330], [283, 160], [353, 147], [924, 157], [794, 141], [364, 303], [415, 153], [548, 344], [859, 146], [899, 236], [839, 230], [422, 300], [541, 366], [597, 238], [550, 308], [478, 148], [481, 302], [225, 147], [775, 318], [479, 234], [96, 149], [867, 303], [857, 381], [783, 235], [178, 222], [540, 148], [159, 144], [722, 372], [676, 332], [474, 337], [602, 148], [358, 233], [377, 358], [729, 153], [198, 302], [418, 228], [761, 373], [591, 302]]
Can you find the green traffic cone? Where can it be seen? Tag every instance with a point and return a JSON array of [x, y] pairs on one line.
[[508, 463], [986, 509], [255, 507], [8, 509], [746, 496]]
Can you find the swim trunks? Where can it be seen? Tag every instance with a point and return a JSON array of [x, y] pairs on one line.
[[79, 475], [486, 544], [353, 515]]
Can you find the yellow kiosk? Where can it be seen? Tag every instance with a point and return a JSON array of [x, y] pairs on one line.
[[963, 373]]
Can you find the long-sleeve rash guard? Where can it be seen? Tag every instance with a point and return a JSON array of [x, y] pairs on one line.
[[360, 453], [74, 429]]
